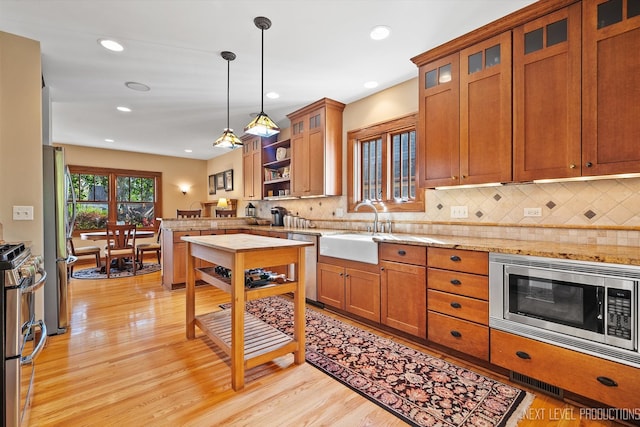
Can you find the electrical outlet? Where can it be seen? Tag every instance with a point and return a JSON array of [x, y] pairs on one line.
[[23, 213], [339, 212], [532, 211], [459, 212]]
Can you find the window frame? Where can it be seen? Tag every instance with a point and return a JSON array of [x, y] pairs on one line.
[[385, 131], [112, 201]]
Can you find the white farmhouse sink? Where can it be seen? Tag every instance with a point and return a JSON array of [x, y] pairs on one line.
[[351, 246]]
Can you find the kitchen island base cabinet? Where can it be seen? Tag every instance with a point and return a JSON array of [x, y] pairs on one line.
[[247, 340], [604, 381]]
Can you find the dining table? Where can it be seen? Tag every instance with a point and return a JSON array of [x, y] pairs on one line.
[[102, 235]]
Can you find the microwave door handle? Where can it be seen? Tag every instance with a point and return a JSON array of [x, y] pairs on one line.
[[599, 298]]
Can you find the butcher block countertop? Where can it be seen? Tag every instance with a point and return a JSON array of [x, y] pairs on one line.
[[243, 242]]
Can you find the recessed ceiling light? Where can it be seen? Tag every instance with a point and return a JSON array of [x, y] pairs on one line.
[[124, 109], [380, 32], [371, 85], [109, 140], [141, 87], [272, 95], [188, 150], [111, 45]]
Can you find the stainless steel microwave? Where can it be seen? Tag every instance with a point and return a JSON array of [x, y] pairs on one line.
[[582, 305]]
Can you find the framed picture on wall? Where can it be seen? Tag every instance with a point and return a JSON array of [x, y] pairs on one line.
[[220, 181], [212, 184], [228, 180]]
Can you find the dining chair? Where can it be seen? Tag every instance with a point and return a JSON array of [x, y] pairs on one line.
[[82, 251], [181, 213], [149, 247], [121, 245]]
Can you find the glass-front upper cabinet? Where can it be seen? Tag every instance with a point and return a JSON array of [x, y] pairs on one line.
[[485, 111], [610, 86], [438, 122], [547, 96]]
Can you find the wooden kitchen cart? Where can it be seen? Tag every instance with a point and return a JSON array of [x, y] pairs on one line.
[[247, 340]]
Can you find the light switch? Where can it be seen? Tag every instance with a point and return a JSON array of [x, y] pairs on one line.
[[23, 213]]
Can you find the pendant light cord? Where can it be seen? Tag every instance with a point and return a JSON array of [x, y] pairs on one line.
[[262, 75], [228, 72]]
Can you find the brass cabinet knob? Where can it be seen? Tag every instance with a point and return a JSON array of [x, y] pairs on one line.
[[588, 164], [572, 166]]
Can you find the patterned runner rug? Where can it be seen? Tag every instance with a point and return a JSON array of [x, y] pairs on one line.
[[96, 273], [418, 388]]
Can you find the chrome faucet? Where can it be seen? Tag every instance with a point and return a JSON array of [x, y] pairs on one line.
[[375, 213]]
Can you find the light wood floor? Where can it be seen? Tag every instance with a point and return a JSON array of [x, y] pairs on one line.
[[125, 361]]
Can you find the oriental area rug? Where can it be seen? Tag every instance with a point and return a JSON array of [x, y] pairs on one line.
[[97, 273], [420, 389]]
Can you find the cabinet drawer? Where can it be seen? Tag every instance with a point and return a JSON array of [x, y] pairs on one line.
[[178, 234], [459, 306], [211, 232], [459, 260], [567, 369], [405, 254], [458, 334], [471, 285]]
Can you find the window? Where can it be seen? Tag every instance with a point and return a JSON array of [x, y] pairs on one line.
[[116, 195], [382, 165]]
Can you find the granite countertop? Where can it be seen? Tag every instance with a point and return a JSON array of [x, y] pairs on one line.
[[629, 255]]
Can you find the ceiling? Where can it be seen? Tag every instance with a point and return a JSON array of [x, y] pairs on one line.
[[314, 49]]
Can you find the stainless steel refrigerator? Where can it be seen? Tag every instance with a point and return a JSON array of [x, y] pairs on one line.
[[59, 213]]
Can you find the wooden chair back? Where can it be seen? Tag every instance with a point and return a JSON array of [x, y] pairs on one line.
[[120, 236], [181, 213]]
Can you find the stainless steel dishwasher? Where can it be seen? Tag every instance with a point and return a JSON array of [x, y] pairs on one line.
[[311, 259]]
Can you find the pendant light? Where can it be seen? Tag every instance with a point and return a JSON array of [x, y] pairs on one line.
[[228, 139], [262, 125]]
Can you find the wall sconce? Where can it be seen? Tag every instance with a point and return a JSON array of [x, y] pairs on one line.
[[184, 189]]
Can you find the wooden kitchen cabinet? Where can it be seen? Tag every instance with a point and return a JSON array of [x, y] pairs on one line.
[[485, 112], [174, 257], [457, 300], [604, 381], [403, 286], [438, 148], [316, 149], [252, 167], [465, 116], [610, 87], [547, 96], [354, 290]]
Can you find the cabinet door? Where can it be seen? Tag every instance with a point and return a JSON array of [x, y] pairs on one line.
[[331, 285], [252, 168], [404, 297], [485, 111], [179, 263], [546, 96], [611, 88], [299, 157], [315, 161], [362, 294], [438, 151]]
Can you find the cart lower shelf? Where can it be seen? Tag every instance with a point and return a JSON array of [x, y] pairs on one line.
[[262, 342]]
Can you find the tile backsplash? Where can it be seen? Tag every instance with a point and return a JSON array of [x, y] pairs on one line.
[[603, 211]]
